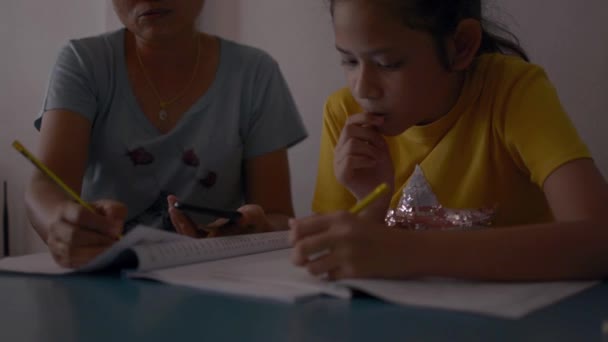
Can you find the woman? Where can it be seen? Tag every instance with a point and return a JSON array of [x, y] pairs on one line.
[[158, 109]]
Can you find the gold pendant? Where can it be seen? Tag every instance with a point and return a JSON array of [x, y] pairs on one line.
[[162, 115]]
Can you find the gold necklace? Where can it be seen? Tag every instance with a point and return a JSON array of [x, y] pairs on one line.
[[163, 114]]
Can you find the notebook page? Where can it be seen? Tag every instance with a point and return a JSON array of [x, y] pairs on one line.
[[43, 263], [139, 236], [198, 250], [40, 263], [268, 275], [507, 300]]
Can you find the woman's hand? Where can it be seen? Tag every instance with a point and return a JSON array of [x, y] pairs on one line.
[[342, 245], [254, 220], [361, 158], [76, 235]]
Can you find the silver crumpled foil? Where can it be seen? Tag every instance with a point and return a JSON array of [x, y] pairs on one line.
[[419, 209]]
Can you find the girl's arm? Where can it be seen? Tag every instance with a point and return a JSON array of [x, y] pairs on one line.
[[552, 251], [573, 247]]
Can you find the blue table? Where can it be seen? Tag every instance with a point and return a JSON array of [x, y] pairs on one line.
[[79, 308]]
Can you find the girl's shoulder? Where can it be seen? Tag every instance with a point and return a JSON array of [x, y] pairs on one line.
[[504, 71]]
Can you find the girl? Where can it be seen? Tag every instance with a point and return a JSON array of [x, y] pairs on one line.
[[430, 86], [159, 108]]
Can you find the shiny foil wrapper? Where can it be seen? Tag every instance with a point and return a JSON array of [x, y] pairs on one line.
[[419, 209]]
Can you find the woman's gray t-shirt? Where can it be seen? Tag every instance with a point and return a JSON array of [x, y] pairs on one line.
[[248, 111]]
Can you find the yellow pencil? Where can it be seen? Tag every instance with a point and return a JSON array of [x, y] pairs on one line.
[[367, 200], [17, 145]]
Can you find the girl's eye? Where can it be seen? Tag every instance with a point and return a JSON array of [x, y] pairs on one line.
[[390, 66], [348, 62]]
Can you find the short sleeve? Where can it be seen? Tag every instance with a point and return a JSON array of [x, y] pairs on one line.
[[330, 195], [71, 86], [275, 122], [537, 132]]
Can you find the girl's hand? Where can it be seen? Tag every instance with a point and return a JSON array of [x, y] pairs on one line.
[[361, 158], [342, 245], [253, 221], [76, 235]]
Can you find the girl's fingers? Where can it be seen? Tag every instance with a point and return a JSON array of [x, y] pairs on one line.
[[367, 134], [308, 226], [323, 265], [311, 248], [357, 147], [355, 162], [365, 119]]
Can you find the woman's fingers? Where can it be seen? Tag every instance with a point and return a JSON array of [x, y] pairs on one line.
[[78, 237], [113, 210], [83, 255], [72, 246], [77, 215], [181, 222]]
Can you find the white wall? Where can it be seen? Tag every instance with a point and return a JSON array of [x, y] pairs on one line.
[[570, 42], [298, 34], [31, 33]]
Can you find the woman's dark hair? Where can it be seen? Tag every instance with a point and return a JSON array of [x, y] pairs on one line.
[[441, 17]]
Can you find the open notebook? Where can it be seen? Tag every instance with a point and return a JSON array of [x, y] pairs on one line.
[[259, 265]]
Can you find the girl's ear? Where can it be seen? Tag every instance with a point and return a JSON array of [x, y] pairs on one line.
[[464, 44]]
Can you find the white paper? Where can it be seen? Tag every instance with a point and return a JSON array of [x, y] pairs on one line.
[[189, 251], [41, 263], [139, 236], [269, 275], [508, 300], [157, 249], [272, 275]]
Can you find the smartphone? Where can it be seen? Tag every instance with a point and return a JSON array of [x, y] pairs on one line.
[[232, 215]]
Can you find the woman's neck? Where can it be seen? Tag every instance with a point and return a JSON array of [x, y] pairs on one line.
[[167, 54]]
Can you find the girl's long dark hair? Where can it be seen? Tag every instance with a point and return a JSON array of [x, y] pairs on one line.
[[441, 17]]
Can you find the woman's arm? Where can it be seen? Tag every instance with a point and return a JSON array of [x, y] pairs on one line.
[[268, 185], [63, 148]]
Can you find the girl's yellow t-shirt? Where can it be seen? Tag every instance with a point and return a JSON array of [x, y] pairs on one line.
[[506, 134]]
